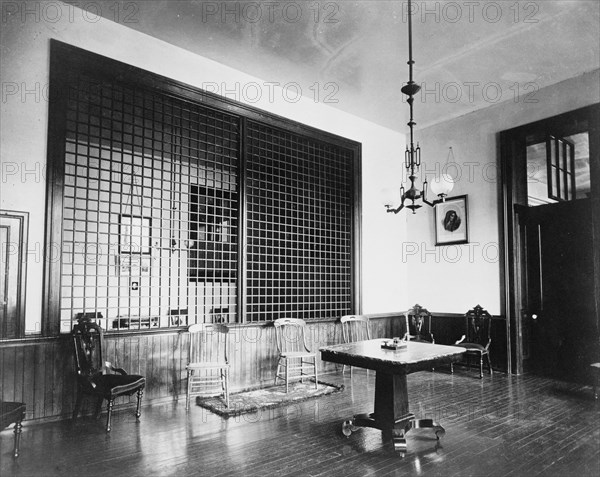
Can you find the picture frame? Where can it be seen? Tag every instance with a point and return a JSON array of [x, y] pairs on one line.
[[134, 234], [452, 221]]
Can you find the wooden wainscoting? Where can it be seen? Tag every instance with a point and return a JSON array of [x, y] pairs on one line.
[[40, 372]]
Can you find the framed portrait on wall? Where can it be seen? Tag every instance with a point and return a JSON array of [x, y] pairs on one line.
[[452, 221]]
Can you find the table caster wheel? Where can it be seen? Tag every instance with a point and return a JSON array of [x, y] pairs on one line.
[[399, 444], [440, 433], [347, 427]]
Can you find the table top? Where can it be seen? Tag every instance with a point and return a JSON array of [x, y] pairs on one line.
[[417, 356]]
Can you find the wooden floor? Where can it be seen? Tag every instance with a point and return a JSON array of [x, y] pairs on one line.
[[503, 425]]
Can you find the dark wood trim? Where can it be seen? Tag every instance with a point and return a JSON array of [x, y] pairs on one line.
[[105, 67], [242, 281], [55, 172], [357, 230]]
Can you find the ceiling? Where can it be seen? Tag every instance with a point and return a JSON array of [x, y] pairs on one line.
[[352, 54]]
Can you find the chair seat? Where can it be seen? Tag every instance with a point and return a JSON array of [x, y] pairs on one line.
[[297, 354], [421, 338], [473, 347], [11, 412], [209, 365], [117, 384]]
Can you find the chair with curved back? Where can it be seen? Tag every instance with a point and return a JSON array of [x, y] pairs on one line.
[[419, 324], [354, 328], [294, 354], [477, 337], [208, 362], [98, 378]]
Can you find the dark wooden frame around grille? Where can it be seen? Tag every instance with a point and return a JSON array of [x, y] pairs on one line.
[[249, 217]]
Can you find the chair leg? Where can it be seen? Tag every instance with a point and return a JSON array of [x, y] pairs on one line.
[[138, 411], [109, 408], [451, 368], [278, 371], [226, 388], [489, 364], [189, 388], [481, 367], [98, 408], [287, 377], [18, 429], [316, 373], [77, 405]]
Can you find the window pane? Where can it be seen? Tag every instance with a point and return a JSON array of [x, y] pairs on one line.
[[582, 164], [537, 174]]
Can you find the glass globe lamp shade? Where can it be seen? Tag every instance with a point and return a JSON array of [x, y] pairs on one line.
[[389, 197], [442, 185]]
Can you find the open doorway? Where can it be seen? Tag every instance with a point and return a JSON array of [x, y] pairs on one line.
[[551, 224]]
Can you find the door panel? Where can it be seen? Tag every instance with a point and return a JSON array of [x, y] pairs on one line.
[[559, 309], [13, 248]]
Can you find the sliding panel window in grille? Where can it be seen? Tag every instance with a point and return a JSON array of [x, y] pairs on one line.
[[150, 188], [299, 226]]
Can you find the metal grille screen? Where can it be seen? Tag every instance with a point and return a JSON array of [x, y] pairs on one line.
[[299, 242], [162, 192], [140, 172]]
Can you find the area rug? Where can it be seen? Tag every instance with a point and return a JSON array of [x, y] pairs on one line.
[[256, 399]]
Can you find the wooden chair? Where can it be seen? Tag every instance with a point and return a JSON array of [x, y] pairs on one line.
[[419, 324], [354, 328], [13, 412], [96, 377], [293, 352], [477, 338], [208, 362]]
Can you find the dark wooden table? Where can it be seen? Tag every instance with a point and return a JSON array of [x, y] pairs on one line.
[[391, 414]]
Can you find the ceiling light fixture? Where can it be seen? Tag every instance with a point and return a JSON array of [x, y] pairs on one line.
[[412, 155]]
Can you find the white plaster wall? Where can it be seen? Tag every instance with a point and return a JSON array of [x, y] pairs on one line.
[[24, 70], [456, 278]]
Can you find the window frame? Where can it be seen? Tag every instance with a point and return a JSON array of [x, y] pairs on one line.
[[66, 62]]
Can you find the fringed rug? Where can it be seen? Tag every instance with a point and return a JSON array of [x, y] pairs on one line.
[[254, 400]]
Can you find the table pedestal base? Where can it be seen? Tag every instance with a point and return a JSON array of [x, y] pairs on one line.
[[391, 413], [397, 433]]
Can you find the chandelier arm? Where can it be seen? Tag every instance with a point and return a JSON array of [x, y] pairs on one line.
[[431, 204], [397, 209]]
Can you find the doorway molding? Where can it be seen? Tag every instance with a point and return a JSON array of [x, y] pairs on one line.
[[513, 194]]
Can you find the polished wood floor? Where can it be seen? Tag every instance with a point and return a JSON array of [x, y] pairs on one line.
[[503, 425]]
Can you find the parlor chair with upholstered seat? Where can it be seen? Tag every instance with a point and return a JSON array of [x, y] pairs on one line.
[[295, 359], [98, 378], [477, 338], [208, 362], [419, 324], [13, 413], [354, 328]]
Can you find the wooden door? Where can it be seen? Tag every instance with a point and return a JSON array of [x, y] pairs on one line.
[[558, 311]]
